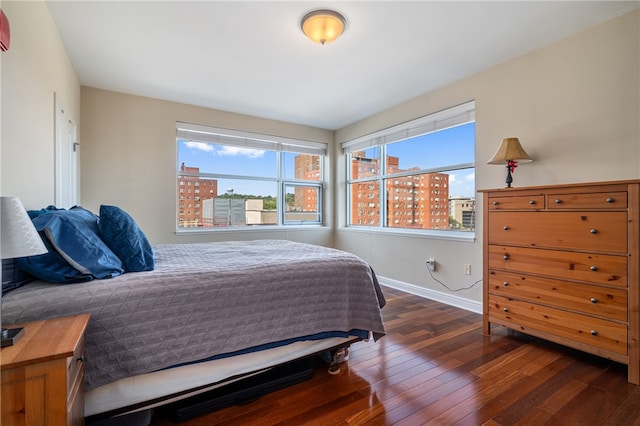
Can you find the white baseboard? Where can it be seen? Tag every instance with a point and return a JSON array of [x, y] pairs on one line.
[[448, 299]]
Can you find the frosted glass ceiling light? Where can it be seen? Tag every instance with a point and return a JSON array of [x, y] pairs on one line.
[[323, 26]]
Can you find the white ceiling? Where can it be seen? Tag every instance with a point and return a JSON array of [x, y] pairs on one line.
[[252, 58]]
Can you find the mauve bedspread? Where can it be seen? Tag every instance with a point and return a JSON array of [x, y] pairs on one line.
[[208, 299]]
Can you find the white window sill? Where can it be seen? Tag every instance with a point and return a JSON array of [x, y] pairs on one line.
[[200, 231], [462, 236]]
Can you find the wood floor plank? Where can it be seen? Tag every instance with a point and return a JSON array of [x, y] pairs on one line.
[[435, 367], [629, 409], [519, 411], [512, 394]]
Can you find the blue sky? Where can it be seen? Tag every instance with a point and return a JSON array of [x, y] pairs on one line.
[[450, 146], [235, 161]]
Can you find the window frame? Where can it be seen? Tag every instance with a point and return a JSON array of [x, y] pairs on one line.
[[281, 146], [319, 198], [439, 121]]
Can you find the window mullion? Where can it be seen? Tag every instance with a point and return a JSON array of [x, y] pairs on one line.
[[382, 198], [427, 171], [280, 201]]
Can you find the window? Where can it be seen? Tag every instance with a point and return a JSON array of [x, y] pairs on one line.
[[250, 179], [419, 175]]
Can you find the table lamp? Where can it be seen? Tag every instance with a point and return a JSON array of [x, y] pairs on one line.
[[18, 238], [510, 152]]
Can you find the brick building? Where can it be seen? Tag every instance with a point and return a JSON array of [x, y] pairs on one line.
[[307, 167], [192, 191], [417, 201]]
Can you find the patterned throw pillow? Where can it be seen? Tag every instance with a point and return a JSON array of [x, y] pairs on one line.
[[123, 236]]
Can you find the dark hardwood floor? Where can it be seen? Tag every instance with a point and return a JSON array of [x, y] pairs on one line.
[[435, 367]]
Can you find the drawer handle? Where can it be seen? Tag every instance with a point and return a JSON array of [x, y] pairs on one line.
[[81, 359], [594, 300], [506, 228], [594, 333], [594, 268], [593, 231], [532, 202], [506, 284], [558, 201], [505, 257], [495, 203], [505, 309], [610, 200]]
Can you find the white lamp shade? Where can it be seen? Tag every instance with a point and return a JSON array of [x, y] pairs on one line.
[[18, 236]]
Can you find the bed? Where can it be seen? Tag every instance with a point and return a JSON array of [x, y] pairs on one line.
[[207, 314]]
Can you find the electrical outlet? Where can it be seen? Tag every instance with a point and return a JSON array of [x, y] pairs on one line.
[[431, 264], [467, 269]]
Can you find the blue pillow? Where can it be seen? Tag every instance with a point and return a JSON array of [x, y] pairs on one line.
[[75, 236], [48, 209], [123, 236], [51, 267]]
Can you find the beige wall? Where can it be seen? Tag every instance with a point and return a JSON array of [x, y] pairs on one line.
[[128, 159], [1, 193], [575, 105], [35, 66]]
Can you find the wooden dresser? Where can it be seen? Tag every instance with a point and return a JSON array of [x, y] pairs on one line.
[[562, 263], [43, 374]]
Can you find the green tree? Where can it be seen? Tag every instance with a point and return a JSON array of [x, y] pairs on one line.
[[269, 203], [454, 223], [290, 199]]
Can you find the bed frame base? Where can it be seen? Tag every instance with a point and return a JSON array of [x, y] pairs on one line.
[[243, 391], [132, 415], [252, 388]]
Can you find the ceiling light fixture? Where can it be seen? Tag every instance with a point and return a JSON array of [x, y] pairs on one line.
[[323, 26]]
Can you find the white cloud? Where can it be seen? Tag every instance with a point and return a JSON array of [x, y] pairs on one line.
[[199, 146], [233, 151], [462, 184], [228, 151]]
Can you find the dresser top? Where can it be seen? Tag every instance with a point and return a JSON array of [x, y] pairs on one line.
[[563, 186]]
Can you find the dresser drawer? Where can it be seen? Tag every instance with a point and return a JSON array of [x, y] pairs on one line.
[[589, 200], [75, 363], [75, 385], [595, 231], [75, 401], [533, 202], [603, 334], [588, 267], [610, 303]]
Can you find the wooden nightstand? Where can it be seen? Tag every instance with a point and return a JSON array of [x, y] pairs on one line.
[[43, 374]]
